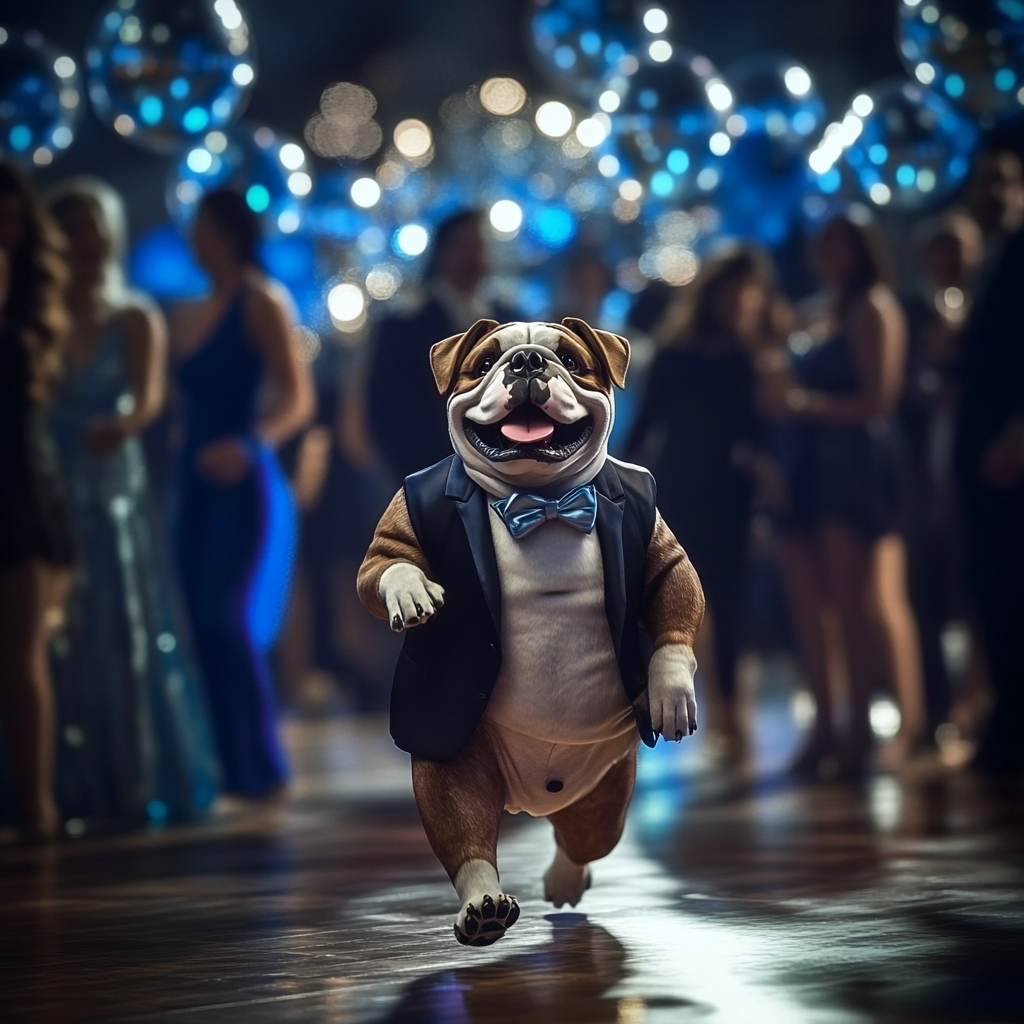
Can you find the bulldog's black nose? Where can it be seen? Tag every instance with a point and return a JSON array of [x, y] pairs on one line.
[[527, 365]]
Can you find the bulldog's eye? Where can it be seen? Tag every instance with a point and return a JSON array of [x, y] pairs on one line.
[[570, 362], [484, 366]]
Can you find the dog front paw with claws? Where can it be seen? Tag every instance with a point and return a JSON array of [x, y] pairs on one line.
[[411, 599]]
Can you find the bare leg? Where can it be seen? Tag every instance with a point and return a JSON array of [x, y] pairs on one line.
[[900, 644], [847, 560], [587, 830], [460, 803], [31, 595], [807, 598]]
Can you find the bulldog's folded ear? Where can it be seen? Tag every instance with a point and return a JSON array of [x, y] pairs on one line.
[[446, 356], [612, 350]]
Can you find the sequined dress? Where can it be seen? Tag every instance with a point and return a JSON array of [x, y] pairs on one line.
[[134, 734]]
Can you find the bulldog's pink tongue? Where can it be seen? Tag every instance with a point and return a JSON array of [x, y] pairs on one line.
[[528, 433]]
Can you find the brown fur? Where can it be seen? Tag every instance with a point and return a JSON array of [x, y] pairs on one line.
[[460, 803], [461, 800], [673, 601], [603, 357], [612, 350], [590, 828], [446, 355], [393, 541]]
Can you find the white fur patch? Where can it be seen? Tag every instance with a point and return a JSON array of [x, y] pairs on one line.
[[563, 405], [521, 333], [493, 404]]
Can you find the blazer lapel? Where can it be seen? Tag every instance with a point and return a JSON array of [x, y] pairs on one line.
[[471, 503], [610, 502]]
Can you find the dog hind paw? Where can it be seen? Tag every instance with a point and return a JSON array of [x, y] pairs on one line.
[[483, 925], [566, 882]]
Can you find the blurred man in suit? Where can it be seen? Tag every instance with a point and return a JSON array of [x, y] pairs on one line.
[[407, 416], [990, 462]]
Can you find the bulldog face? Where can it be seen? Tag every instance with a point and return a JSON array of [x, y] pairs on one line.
[[530, 402]]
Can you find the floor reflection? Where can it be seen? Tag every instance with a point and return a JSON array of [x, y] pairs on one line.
[[736, 896], [567, 978]]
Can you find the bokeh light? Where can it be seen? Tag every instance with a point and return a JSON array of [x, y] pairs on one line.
[[345, 127], [502, 96], [365, 192], [660, 50], [554, 119], [506, 216], [346, 304], [413, 138], [655, 20], [411, 240]]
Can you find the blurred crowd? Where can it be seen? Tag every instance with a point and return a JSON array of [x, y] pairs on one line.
[[186, 497]]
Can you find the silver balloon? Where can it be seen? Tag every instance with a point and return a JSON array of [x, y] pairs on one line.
[[40, 99], [971, 51], [163, 71], [667, 114], [911, 147]]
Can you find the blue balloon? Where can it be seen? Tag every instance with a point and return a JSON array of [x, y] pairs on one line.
[[764, 173], [762, 186], [665, 115], [270, 169], [163, 71], [914, 148], [971, 51], [577, 41], [40, 99]]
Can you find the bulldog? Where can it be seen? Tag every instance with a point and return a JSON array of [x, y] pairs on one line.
[[550, 612]]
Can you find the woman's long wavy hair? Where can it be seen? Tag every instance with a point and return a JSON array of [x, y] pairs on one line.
[[691, 317], [35, 307]]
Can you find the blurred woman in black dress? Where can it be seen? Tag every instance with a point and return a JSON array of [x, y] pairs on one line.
[[840, 538], [698, 430], [35, 529]]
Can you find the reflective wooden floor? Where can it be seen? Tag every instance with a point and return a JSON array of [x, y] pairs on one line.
[[734, 898]]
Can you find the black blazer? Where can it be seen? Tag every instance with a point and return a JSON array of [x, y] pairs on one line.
[[448, 667]]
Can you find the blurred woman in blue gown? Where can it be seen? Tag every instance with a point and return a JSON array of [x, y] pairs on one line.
[[134, 737], [245, 391]]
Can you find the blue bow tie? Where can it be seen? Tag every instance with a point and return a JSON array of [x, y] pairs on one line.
[[523, 513]]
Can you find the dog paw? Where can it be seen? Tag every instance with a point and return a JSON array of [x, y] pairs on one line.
[[565, 881], [411, 598], [480, 926]]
